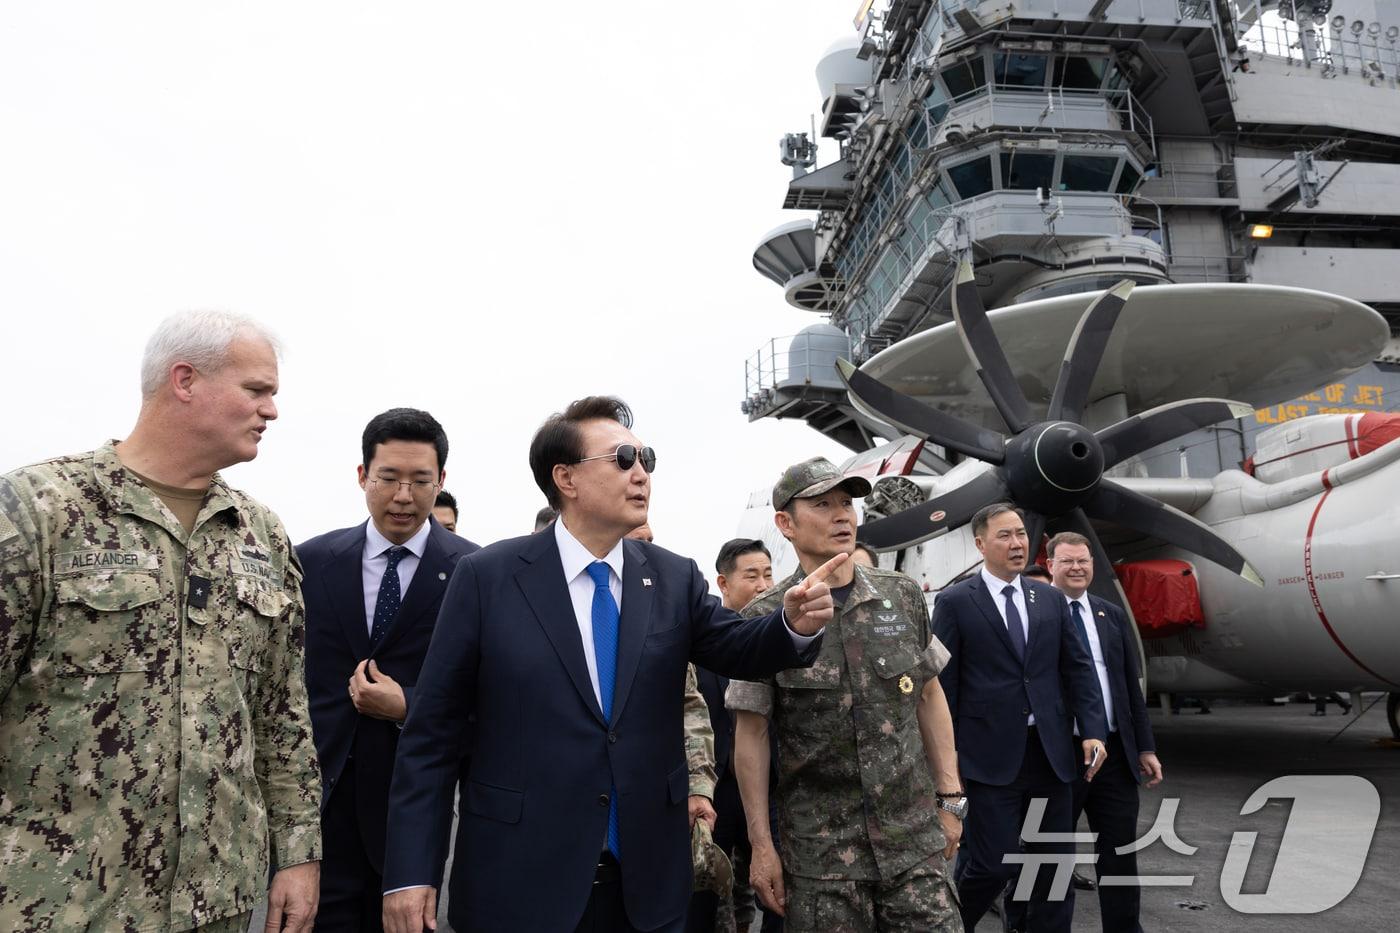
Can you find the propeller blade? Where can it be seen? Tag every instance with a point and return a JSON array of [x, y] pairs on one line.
[[1035, 534], [1158, 425], [950, 510], [1122, 506], [1105, 582], [1084, 353], [985, 351], [914, 417]]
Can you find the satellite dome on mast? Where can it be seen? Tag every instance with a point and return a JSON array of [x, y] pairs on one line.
[[840, 65]]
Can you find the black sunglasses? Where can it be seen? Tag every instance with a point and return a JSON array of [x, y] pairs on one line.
[[626, 456]]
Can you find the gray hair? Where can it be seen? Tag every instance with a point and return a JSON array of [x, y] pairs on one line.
[[200, 338]]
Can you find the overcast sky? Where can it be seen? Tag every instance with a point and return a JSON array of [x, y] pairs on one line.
[[481, 214]]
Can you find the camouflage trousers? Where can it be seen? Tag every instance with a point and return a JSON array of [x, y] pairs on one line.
[[920, 900], [238, 924]]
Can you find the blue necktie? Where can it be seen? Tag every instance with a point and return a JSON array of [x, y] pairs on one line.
[[386, 604], [1013, 623], [605, 618], [1077, 611]]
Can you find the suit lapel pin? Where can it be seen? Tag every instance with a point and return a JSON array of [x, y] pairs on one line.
[[442, 576], [646, 581], [1100, 612]]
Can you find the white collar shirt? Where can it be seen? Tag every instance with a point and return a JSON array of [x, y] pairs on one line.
[[1091, 629], [374, 561], [576, 559]]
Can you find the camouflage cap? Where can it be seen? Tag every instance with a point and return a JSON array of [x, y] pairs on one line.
[[812, 478], [712, 870]]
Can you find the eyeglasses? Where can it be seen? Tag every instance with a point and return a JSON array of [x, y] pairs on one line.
[[626, 456], [392, 485], [1081, 562]]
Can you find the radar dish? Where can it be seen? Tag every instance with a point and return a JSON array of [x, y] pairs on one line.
[[1259, 344]]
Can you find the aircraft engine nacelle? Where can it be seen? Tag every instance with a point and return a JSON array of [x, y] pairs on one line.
[[1328, 549]]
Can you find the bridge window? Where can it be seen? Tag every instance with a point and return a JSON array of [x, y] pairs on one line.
[[1086, 173], [965, 77], [1079, 73], [936, 101], [938, 195], [1018, 70], [1025, 171], [972, 178], [1128, 180]]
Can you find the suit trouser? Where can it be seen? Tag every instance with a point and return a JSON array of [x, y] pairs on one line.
[[1110, 802], [996, 814], [351, 899], [605, 911]]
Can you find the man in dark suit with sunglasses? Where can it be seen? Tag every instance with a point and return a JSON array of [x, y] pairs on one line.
[[570, 648]]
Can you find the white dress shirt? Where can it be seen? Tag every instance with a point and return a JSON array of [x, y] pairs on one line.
[[374, 561], [994, 586], [1091, 629], [575, 559]]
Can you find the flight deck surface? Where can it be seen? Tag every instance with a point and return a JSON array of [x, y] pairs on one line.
[[1213, 763]]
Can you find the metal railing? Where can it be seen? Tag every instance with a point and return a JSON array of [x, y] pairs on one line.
[[1188, 180], [1372, 56], [1219, 268], [1008, 101], [776, 365]]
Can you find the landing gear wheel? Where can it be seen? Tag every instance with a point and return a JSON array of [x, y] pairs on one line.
[[1392, 714]]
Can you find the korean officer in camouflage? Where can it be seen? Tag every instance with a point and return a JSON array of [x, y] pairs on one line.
[[155, 747], [868, 799]]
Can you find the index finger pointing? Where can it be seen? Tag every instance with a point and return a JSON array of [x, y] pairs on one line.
[[825, 570]]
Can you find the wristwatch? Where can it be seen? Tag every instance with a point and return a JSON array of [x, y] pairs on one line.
[[954, 805]]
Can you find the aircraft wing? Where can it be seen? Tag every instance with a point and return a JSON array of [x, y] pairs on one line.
[[1186, 493]]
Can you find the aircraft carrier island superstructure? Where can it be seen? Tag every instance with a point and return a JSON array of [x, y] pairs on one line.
[[1239, 164], [1064, 145]]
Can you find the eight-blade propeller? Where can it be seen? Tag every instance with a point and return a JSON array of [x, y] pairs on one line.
[[1052, 469]]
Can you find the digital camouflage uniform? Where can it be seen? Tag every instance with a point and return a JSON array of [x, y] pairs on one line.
[[857, 818], [154, 736], [710, 867], [699, 738]]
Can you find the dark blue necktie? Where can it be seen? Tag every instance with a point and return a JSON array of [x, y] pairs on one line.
[[1013, 623], [386, 604], [605, 618], [1077, 611]]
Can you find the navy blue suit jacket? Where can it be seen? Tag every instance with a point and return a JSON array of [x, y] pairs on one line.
[[712, 687], [990, 692], [337, 639], [534, 806], [1129, 707]]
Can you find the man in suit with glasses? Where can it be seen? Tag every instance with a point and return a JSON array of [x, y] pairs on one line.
[[372, 593]]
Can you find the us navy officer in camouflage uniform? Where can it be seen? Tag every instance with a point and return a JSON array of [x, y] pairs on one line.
[[154, 736], [869, 803]]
